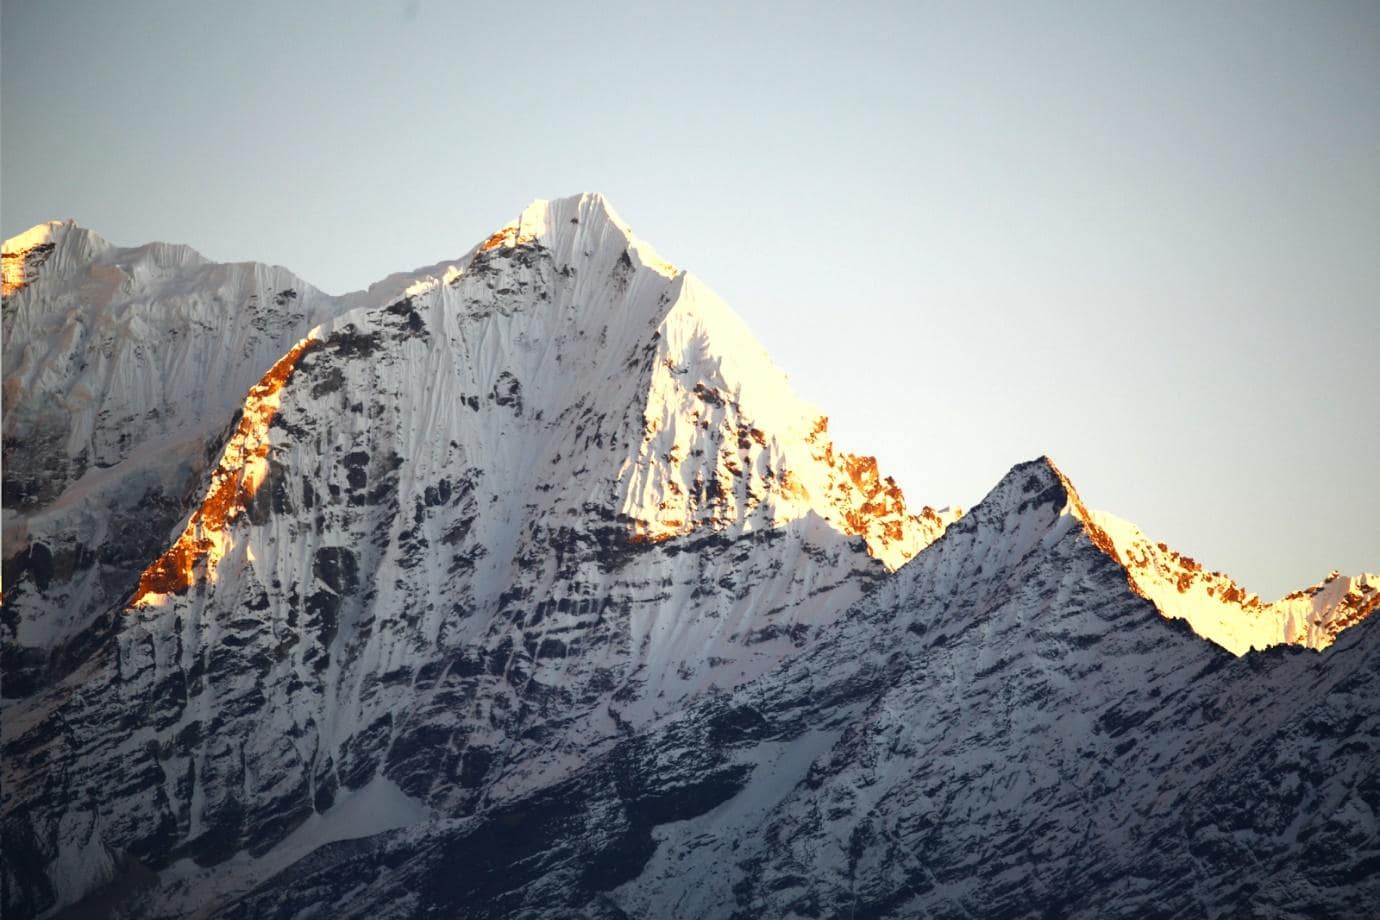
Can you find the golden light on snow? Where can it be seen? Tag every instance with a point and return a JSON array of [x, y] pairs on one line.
[[242, 470], [1219, 609], [1214, 605], [508, 237], [14, 257]]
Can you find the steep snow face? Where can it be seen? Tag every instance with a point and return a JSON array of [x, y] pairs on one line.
[[728, 444], [437, 549], [1218, 609]]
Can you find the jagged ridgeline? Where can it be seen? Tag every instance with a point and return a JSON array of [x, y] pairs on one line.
[[524, 585]]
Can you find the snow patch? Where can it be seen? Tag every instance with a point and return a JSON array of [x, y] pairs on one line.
[[189, 890]]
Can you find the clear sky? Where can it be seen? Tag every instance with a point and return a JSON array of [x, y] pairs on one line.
[[1143, 238]]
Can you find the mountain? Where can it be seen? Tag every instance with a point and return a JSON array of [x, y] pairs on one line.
[[523, 585], [1005, 729]]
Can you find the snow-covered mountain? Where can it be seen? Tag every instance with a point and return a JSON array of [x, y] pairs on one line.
[[524, 585], [124, 372], [1004, 729]]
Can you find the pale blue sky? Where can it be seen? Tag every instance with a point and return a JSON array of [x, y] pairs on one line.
[[1143, 238]]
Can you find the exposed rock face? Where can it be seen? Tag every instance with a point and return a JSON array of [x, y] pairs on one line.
[[523, 585]]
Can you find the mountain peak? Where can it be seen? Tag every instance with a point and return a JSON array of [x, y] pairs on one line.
[[37, 235], [1034, 496], [725, 443], [646, 390], [61, 242], [1035, 501], [589, 208], [584, 224], [1027, 487]]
